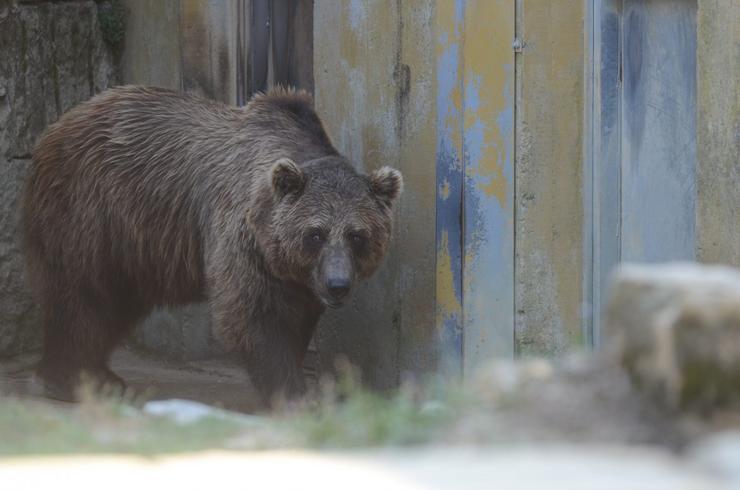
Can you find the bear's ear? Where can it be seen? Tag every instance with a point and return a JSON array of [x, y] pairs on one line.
[[287, 178], [386, 183]]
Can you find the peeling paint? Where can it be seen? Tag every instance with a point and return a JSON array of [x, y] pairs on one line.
[[444, 191], [488, 288], [475, 178], [448, 299], [449, 24]]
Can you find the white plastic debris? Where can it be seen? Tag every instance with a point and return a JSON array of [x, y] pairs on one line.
[[188, 411]]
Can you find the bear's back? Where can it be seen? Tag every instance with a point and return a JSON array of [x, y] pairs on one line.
[[127, 183]]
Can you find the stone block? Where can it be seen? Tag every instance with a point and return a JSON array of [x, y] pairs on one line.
[[53, 57], [676, 330]]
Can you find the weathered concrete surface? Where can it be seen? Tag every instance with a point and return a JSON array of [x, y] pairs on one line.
[[151, 54], [551, 466], [374, 79], [718, 132], [52, 56], [676, 329], [183, 45], [549, 182], [208, 49]]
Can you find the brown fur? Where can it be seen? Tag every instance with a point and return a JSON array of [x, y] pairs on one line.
[[142, 197]]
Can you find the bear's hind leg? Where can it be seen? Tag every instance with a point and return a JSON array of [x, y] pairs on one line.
[[78, 340]]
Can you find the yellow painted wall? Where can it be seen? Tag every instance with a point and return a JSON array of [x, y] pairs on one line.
[[549, 199]]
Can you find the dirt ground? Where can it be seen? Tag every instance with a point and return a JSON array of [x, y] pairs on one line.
[[219, 382]]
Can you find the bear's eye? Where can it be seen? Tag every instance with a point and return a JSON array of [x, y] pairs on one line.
[[314, 239], [357, 239]]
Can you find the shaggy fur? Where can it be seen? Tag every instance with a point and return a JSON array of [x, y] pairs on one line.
[[143, 197]]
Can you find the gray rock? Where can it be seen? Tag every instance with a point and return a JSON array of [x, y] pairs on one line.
[[676, 329], [53, 57]]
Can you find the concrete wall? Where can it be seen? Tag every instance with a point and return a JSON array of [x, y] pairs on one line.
[[151, 53], [374, 79], [549, 170], [718, 132], [52, 56], [184, 45]]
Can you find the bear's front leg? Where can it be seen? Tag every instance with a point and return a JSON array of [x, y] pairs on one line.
[[272, 340], [269, 322], [276, 345], [274, 357]]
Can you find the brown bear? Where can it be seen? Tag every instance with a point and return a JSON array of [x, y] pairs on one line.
[[142, 197]]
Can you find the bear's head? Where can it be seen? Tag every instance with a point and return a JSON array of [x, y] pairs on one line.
[[328, 226]]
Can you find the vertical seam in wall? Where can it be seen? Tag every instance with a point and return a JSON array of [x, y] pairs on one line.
[[399, 108], [463, 161], [587, 312], [620, 44], [180, 45], [518, 10], [238, 93]]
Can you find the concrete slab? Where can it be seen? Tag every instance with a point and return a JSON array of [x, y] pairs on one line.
[[560, 466]]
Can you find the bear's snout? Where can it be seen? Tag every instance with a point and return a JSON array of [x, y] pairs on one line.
[[338, 287], [336, 275]]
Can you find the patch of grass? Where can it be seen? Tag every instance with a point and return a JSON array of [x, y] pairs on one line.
[[368, 419], [29, 427], [343, 415]]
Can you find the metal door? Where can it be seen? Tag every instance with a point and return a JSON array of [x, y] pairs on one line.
[[643, 158]]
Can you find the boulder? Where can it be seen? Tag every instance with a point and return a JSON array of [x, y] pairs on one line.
[[676, 330]]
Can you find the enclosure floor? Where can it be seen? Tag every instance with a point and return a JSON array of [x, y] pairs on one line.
[[218, 382]]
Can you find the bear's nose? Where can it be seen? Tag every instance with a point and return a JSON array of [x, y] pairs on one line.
[[338, 287]]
